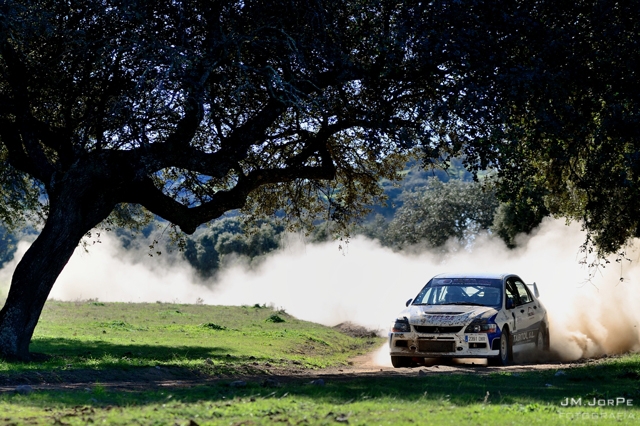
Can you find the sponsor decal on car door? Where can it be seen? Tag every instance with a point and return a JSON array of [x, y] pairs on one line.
[[528, 315]]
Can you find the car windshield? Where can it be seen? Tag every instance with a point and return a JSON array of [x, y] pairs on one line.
[[461, 291]]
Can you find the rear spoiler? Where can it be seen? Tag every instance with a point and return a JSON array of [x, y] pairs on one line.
[[534, 287]]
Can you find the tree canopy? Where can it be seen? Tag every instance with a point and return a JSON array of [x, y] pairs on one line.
[[551, 91], [193, 107]]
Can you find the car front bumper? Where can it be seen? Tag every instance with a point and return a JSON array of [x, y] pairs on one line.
[[458, 345]]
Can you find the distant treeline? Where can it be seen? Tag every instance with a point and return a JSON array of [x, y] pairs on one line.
[[426, 208]]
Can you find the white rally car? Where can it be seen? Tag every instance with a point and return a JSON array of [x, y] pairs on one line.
[[470, 316]]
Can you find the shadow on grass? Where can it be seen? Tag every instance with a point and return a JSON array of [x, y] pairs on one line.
[[60, 361], [608, 380], [72, 349], [71, 364]]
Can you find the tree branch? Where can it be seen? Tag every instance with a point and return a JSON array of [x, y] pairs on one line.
[[153, 199], [176, 152]]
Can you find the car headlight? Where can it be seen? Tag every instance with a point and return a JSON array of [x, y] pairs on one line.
[[481, 327], [401, 325]]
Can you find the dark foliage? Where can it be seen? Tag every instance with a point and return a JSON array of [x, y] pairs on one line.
[[551, 93]]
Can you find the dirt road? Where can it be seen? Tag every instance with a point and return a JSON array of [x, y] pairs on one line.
[[154, 377], [378, 363]]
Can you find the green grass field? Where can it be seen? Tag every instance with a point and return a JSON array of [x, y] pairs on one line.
[[107, 360]]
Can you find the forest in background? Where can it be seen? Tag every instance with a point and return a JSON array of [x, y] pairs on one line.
[[425, 208]]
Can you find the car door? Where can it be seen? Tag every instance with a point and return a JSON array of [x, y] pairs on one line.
[[527, 312], [519, 317]]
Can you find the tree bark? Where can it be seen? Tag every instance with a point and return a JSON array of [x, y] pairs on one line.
[[70, 218]]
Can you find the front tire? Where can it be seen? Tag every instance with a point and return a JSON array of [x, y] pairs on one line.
[[542, 340], [547, 340], [400, 361], [504, 358]]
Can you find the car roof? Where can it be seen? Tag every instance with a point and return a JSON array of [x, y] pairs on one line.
[[484, 275]]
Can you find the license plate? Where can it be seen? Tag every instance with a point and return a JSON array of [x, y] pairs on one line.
[[475, 338]]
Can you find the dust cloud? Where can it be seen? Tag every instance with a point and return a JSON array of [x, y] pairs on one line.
[[369, 284]]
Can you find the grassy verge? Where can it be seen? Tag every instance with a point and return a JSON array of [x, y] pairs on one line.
[[124, 339], [523, 398], [216, 339]]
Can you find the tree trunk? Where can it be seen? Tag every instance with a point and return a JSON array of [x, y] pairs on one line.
[[70, 218]]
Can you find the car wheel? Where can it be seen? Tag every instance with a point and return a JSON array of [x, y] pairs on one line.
[[542, 341], [547, 340], [400, 361], [504, 358]]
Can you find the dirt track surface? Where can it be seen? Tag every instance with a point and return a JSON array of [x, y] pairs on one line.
[[148, 378]]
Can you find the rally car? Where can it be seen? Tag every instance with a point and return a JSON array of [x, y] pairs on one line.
[[470, 316]]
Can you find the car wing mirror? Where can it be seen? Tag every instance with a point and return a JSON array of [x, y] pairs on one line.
[[510, 303], [408, 302]]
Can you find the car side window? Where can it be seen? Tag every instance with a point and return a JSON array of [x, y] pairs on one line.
[[512, 293], [523, 292]]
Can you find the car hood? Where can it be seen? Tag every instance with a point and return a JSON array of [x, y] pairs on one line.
[[447, 315]]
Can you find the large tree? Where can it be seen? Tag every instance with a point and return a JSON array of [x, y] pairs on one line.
[[113, 109]]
